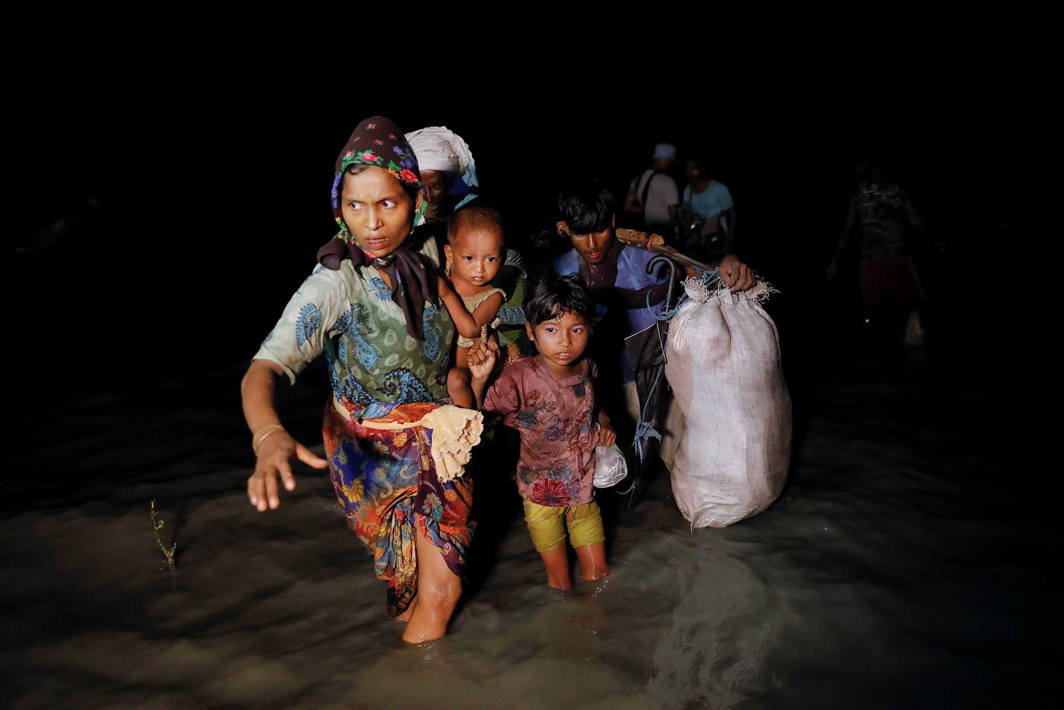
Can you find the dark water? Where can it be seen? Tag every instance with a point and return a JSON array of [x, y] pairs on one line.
[[904, 566]]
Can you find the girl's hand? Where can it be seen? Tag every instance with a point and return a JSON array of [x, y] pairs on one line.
[[275, 454], [481, 359], [607, 436]]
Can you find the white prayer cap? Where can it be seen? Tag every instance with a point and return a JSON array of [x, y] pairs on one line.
[[662, 151], [438, 148]]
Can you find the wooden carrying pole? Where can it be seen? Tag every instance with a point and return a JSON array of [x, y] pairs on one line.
[[656, 244]]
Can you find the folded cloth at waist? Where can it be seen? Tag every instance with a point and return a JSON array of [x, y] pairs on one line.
[[455, 431]]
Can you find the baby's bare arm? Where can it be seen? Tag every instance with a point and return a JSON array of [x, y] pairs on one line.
[[463, 319], [481, 362], [487, 310]]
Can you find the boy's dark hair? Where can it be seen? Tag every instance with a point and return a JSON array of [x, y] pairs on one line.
[[555, 295], [586, 206]]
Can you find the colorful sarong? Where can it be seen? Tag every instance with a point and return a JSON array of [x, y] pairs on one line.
[[385, 480]]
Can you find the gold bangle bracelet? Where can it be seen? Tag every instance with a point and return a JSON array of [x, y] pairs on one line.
[[262, 434]]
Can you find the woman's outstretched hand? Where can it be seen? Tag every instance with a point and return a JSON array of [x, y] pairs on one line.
[[275, 455]]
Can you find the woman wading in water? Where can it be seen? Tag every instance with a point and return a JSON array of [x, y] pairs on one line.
[[375, 308]]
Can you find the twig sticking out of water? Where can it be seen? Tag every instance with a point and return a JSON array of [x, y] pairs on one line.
[[156, 526]]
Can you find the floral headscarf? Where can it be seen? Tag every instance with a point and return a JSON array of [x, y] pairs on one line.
[[378, 142]]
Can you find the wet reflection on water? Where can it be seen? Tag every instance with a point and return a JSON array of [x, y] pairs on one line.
[[883, 577]]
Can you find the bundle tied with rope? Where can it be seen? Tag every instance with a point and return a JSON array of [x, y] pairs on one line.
[[726, 434]]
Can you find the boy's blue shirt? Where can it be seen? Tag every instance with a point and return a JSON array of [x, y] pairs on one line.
[[632, 275]]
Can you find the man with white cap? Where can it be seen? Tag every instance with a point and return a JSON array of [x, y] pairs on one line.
[[654, 195], [448, 171]]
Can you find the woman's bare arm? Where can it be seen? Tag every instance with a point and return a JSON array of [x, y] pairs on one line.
[[276, 447]]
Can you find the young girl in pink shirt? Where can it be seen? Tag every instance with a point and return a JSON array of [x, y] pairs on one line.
[[550, 399]]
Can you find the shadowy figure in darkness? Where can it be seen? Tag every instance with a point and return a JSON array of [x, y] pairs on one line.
[[885, 219]]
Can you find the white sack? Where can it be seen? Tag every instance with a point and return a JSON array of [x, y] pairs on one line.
[[731, 410]]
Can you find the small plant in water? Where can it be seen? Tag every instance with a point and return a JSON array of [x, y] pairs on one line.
[[156, 526]]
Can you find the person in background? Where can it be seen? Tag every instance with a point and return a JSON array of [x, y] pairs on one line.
[[882, 215], [447, 170], [707, 215], [653, 196]]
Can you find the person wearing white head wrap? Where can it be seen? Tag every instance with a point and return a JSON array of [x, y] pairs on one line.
[[444, 160], [443, 157]]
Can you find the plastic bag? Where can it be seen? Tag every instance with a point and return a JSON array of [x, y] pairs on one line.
[[730, 421], [610, 466]]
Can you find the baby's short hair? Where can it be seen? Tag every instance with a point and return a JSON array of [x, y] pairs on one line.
[[472, 216], [555, 295]]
